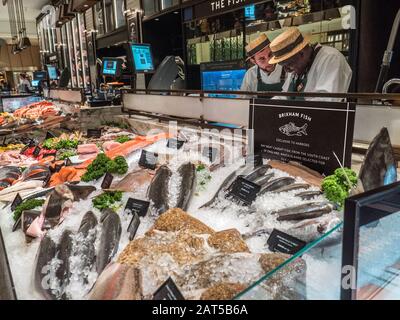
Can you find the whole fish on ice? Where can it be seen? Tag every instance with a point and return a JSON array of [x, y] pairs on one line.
[[291, 130]]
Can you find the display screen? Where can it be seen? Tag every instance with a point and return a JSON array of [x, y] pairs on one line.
[[52, 72], [142, 58], [226, 80], [39, 75], [250, 12], [35, 83], [110, 67]]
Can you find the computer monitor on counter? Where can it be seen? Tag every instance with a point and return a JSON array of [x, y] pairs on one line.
[[111, 67], [141, 58], [52, 72]]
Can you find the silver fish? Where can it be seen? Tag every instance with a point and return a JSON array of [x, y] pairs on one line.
[[187, 172], [308, 195], [293, 186], [80, 192], [276, 184], [291, 129], [304, 211], [158, 190], [257, 172], [261, 181], [224, 185], [109, 239]]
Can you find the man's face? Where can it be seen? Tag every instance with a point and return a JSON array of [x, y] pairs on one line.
[[262, 59], [296, 64]]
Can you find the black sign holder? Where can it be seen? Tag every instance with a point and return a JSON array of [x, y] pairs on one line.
[[304, 131]]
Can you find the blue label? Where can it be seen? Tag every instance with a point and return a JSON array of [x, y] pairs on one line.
[[390, 176]]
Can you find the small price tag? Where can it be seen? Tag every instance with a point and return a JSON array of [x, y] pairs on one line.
[[168, 291], [282, 242], [137, 206], [175, 143], [133, 226], [108, 179], [93, 133], [68, 162], [36, 151], [17, 201], [148, 160], [49, 135], [210, 153], [244, 190]]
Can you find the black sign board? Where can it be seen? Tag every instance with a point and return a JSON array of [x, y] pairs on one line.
[[175, 143], [133, 226], [148, 160], [36, 151], [244, 190], [215, 7], [168, 291], [304, 131], [137, 206], [108, 179], [93, 133], [279, 241], [49, 135], [17, 201], [211, 153]]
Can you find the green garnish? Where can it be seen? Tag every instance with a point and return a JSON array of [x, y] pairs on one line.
[[122, 139], [103, 164], [51, 144], [27, 205], [66, 154], [200, 167], [336, 187], [107, 199]]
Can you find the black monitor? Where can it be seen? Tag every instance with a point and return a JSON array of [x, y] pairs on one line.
[[52, 71], [142, 58], [111, 67], [39, 75]]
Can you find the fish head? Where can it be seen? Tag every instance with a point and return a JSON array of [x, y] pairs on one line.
[[64, 192]]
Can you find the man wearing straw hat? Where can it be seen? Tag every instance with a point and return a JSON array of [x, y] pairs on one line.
[[311, 68], [262, 76]]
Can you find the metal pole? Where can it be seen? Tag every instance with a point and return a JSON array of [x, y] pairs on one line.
[[387, 56]]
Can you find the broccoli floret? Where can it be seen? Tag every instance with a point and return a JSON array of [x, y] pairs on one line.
[[336, 187]]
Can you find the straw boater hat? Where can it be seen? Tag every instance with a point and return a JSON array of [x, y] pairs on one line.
[[287, 44], [257, 45]]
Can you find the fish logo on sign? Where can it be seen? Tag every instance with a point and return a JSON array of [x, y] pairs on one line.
[[291, 130]]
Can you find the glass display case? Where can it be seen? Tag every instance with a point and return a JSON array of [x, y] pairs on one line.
[[358, 259]]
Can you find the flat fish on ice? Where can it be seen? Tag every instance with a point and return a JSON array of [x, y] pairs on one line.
[[42, 275], [109, 239], [187, 172], [118, 282], [158, 190], [133, 181]]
